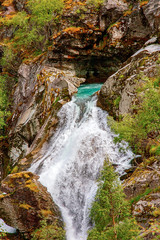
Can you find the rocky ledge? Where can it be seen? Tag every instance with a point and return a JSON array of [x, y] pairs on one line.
[[119, 93], [39, 94], [24, 203]]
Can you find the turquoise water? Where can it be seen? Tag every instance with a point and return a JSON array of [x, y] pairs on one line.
[[86, 90]]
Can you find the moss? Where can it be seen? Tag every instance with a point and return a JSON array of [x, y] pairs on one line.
[[45, 212], [28, 182], [15, 169], [149, 161], [32, 186], [121, 76], [143, 61], [156, 212], [138, 197], [8, 170], [26, 175], [56, 100], [116, 24], [116, 101]]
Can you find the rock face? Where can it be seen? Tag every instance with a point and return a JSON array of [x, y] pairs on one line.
[[143, 188], [147, 208], [143, 177], [151, 12], [40, 93], [103, 40], [119, 93], [89, 43], [146, 212], [24, 202], [93, 40]]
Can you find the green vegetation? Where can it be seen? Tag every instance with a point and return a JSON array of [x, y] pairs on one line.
[[95, 3], [48, 232], [116, 101], [4, 113], [110, 212], [32, 29], [145, 122], [138, 197]]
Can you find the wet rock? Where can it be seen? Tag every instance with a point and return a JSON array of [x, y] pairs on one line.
[[24, 202], [128, 173]]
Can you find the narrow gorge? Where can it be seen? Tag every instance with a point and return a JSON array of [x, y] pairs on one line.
[[74, 157], [79, 86]]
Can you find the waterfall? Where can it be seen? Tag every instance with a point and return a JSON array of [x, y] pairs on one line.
[[74, 158]]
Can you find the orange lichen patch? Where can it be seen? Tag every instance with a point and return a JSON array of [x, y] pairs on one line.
[[35, 59], [57, 35], [102, 44], [10, 16], [45, 212], [90, 25], [16, 179], [25, 175], [68, 7], [70, 57], [73, 29], [1, 196], [117, 25], [25, 206], [81, 3], [77, 31], [127, 13], [7, 3], [69, 4], [143, 3], [50, 48], [2, 20]]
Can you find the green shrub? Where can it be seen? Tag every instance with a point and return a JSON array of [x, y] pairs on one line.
[[117, 101], [136, 127], [95, 3], [137, 198], [110, 211], [51, 232], [4, 113], [32, 31]]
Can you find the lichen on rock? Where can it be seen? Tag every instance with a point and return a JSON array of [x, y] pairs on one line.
[[40, 93], [24, 203]]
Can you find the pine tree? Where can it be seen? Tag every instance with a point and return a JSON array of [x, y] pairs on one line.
[[110, 211]]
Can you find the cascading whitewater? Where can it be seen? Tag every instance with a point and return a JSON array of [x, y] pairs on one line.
[[74, 158]]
